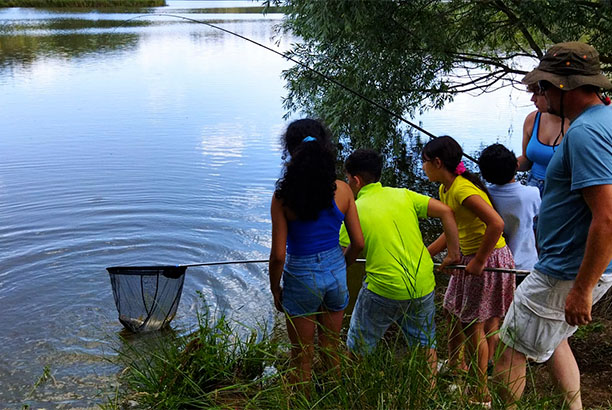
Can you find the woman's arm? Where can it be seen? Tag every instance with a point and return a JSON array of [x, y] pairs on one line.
[[278, 251], [523, 162], [495, 227], [437, 209], [351, 222]]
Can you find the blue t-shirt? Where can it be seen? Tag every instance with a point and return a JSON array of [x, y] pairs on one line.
[[583, 159]]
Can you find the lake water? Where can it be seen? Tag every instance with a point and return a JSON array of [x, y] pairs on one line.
[[141, 142]]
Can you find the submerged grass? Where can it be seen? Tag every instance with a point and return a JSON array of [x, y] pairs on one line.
[[214, 367]]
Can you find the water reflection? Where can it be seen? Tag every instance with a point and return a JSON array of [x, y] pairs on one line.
[[24, 50], [27, 35], [148, 142]]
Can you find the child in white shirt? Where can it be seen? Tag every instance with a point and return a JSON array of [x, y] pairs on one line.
[[517, 204]]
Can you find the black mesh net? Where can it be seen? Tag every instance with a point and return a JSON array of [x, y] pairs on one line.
[[147, 297]]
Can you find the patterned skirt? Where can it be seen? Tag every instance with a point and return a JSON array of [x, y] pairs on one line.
[[478, 298]]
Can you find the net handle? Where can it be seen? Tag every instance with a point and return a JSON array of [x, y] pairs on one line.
[[489, 269], [190, 265], [216, 263]]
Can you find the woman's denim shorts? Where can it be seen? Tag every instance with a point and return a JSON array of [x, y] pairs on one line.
[[315, 283], [536, 182]]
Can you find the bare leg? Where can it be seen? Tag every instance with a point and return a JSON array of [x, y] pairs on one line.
[[566, 375], [491, 330], [330, 324], [301, 333], [456, 340], [432, 359], [509, 374], [478, 353]]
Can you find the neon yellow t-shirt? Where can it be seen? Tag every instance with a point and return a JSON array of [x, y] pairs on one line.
[[471, 228], [398, 265]]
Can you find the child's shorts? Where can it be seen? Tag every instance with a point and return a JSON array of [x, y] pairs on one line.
[[315, 283], [374, 314]]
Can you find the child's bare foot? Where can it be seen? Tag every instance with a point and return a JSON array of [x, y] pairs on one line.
[[479, 397]]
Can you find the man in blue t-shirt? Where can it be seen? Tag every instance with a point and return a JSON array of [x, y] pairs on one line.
[[574, 227]]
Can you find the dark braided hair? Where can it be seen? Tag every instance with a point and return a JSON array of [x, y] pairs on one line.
[[450, 152], [308, 182]]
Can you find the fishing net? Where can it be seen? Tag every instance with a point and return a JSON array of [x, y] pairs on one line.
[[147, 297]]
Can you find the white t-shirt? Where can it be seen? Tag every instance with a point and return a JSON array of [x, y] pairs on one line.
[[518, 205]]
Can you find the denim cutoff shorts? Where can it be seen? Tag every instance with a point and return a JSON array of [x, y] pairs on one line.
[[315, 283], [373, 314], [536, 182]]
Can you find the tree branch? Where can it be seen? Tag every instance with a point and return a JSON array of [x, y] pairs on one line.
[[514, 19]]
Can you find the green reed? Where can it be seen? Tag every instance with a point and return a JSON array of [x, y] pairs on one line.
[[203, 369], [214, 367]]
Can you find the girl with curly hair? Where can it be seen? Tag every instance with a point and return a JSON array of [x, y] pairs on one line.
[[308, 207]]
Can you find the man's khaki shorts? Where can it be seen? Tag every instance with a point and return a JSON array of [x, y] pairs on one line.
[[535, 323]]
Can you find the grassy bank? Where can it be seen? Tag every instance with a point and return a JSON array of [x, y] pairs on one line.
[[82, 3], [214, 368]]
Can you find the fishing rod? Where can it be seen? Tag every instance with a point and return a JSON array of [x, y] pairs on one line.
[[306, 66]]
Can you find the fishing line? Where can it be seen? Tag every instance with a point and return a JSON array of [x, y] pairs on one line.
[[301, 64]]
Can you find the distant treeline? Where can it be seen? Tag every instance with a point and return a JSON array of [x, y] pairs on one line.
[[82, 3]]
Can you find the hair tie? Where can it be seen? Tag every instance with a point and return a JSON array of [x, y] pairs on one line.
[[308, 139], [460, 168]]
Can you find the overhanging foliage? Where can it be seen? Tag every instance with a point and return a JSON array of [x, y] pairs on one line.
[[415, 55]]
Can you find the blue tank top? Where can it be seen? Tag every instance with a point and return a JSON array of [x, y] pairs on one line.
[[321, 234], [539, 154]]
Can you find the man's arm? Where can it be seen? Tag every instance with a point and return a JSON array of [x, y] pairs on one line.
[[597, 255]]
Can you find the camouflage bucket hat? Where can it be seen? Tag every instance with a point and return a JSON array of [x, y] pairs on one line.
[[568, 66]]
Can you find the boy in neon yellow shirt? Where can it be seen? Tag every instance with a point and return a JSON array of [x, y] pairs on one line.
[[399, 280]]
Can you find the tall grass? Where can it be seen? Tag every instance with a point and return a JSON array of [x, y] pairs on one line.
[[82, 3], [206, 368], [214, 367]]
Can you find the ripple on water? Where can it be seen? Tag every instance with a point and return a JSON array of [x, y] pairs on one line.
[[157, 144]]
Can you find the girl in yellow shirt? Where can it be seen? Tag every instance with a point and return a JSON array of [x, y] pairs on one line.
[[475, 299]]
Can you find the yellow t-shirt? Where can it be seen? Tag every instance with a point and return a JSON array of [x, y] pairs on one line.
[[471, 228]]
